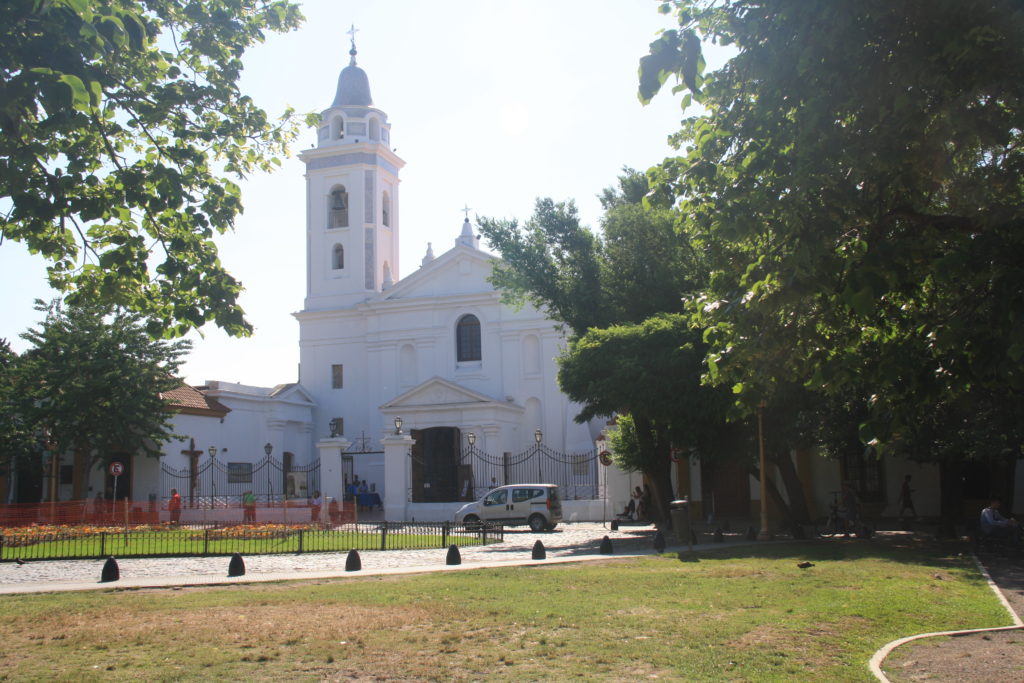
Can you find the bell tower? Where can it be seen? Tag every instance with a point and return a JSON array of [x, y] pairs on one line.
[[352, 214]]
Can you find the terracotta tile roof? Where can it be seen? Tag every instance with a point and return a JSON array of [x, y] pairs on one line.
[[194, 401]]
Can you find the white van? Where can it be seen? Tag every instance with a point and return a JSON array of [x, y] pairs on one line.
[[535, 504]]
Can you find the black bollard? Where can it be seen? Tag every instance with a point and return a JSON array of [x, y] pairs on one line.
[[615, 525], [751, 534], [659, 542], [539, 553], [236, 567], [111, 572], [693, 537], [606, 546], [453, 555], [719, 538], [352, 562]]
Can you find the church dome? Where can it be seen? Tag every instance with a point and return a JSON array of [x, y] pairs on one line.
[[353, 86]]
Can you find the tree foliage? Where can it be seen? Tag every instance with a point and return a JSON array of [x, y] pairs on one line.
[[17, 438], [857, 180], [94, 380], [619, 293], [121, 126]]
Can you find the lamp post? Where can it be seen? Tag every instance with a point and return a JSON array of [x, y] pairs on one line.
[[601, 443], [268, 448], [334, 427], [212, 450], [398, 426], [538, 436], [764, 534]]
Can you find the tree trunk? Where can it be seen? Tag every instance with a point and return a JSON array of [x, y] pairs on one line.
[[951, 501], [773, 492], [658, 472], [797, 512]]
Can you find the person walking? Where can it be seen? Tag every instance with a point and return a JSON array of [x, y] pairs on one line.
[[905, 500], [174, 507], [314, 507], [248, 508]]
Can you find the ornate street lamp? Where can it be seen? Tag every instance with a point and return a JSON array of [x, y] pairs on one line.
[[398, 425], [471, 438], [537, 437], [212, 450], [334, 427], [268, 448]]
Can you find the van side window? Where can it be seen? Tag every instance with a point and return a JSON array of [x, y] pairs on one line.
[[496, 497], [520, 495]]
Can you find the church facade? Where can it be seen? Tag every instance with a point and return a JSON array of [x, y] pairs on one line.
[[437, 349]]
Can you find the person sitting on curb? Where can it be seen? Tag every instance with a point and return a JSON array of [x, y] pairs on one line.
[[993, 525]]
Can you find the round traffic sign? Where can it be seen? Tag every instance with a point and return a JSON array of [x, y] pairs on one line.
[[116, 468]]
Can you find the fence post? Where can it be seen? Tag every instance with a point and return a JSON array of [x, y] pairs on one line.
[[1, 546], [444, 534], [483, 531], [206, 541], [301, 532], [103, 543], [384, 536]]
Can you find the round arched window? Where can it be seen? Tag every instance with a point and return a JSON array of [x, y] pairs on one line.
[[467, 338]]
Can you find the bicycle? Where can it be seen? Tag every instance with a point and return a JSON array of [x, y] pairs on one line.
[[834, 524], [831, 524]]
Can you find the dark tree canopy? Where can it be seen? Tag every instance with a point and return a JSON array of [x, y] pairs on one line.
[[858, 182], [121, 125], [94, 380]]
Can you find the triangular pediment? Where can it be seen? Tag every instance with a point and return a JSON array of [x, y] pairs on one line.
[[460, 270], [292, 392], [440, 393]]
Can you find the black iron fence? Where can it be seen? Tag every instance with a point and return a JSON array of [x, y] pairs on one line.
[[221, 539], [222, 484], [475, 472]]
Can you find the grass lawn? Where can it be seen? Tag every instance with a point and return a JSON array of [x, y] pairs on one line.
[[745, 614]]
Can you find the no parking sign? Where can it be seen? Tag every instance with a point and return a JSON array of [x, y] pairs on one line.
[[116, 468]]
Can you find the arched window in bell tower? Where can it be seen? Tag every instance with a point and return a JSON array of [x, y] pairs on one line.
[[374, 129], [337, 208], [337, 128], [338, 257], [385, 206]]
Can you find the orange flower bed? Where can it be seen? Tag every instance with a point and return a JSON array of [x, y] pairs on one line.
[[38, 533], [255, 531]]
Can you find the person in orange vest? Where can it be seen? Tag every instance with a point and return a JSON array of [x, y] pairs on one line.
[[174, 506]]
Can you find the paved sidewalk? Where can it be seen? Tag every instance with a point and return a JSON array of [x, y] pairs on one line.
[[569, 542]]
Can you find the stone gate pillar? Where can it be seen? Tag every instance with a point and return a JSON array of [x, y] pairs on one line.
[[331, 483], [396, 476]]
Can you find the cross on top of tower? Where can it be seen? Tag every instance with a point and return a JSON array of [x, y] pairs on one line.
[[465, 209], [352, 35]]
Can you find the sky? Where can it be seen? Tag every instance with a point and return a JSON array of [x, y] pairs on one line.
[[492, 104]]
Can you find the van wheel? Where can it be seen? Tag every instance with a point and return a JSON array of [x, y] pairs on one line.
[[538, 523], [550, 527], [471, 522]]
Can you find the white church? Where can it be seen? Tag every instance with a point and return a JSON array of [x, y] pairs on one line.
[[426, 387]]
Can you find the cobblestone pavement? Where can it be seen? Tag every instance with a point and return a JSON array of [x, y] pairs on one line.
[[566, 540]]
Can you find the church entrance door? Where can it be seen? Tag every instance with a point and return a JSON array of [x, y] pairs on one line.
[[436, 456]]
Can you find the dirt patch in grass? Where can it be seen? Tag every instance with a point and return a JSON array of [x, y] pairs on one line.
[[993, 656]]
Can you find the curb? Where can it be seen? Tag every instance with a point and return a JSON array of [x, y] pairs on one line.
[[875, 665]]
